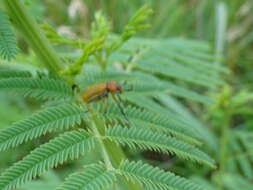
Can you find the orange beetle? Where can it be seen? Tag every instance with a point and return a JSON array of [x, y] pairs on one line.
[[102, 90]]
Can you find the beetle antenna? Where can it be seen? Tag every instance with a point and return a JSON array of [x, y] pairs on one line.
[[124, 83], [127, 89]]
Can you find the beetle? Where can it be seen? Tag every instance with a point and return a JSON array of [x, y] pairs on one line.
[[102, 91]]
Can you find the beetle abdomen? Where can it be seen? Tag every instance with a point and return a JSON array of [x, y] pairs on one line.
[[94, 91]]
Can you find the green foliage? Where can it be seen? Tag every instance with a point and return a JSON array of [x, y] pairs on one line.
[[233, 182], [135, 24], [40, 88], [167, 60], [100, 28], [69, 146], [48, 120], [197, 125], [203, 182], [49, 180], [149, 73], [7, 108], [155, 178], [151, 120], [28, 27], [94, 177], [140, 82], [58, 39], [14, 74], [241, 155], [8, 43], [146, 139], [90, 49], [99, 40]]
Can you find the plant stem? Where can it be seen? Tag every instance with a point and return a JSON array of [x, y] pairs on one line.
[[221, 27], [25, 24], [223, 147], [113, 154], [104, 151]]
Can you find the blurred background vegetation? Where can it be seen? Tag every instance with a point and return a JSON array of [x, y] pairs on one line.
[[227, 25]]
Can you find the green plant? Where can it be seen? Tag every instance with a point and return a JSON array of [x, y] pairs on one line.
[[8, 44], [235, 156], [147, 69], [232, 111]]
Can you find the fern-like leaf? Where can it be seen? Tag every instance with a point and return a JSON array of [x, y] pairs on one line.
[[68, 146], [171, 59], [94, 177], [179, 72], [16, 66], [147, 139], [44, 88], [181, 110], [56, 38], [155, 178], [234, 181], [14, 74], [136, 80], [92, 76], [8, 43], [59, 117], [151, 120], [241, 153], [205, 182], [136, 24]]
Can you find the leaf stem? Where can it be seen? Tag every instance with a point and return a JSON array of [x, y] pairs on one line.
[[28, 27], [113, 154], [223, 147], [104, 151]]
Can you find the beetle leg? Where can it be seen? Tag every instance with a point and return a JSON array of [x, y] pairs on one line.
[[120, 108], [106, 103], [98, 97], [118, 96]]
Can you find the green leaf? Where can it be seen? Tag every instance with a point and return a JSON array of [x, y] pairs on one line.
[[144, 138], [233, 181], [155, 121], [241, 152], [210, 140], [173, 59], [44, 88], [179, 72], [68, 146], [136, 24], [94, 177], [8, 42], [155, 178], [140, 83], [48, 120], [4, 74]]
